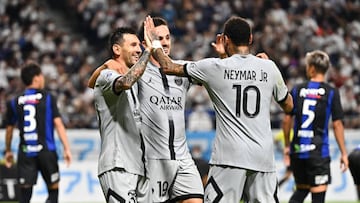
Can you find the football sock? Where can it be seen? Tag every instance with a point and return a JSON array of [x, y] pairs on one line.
[[53, 196], [25, 195], [299, 196], [318, 197]]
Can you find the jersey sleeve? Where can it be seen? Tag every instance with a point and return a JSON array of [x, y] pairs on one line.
[[336, 108], [106, 80], [280, 90], [200, 71], [293, 93], [10, 115], [55, 109]]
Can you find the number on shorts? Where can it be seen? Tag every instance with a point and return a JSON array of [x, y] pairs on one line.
[[163, 188]]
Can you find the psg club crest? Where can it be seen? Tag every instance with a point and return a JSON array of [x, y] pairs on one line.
[[178, 81]]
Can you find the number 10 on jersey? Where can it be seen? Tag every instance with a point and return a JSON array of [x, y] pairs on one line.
[[243, 98]]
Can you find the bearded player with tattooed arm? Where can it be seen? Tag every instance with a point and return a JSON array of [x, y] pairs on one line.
[[122, 161], [241, 88]]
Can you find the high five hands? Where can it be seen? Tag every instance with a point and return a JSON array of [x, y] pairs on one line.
[[149, 31]]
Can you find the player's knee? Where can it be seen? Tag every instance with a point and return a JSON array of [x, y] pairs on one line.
[[54, 186], [302, 187]]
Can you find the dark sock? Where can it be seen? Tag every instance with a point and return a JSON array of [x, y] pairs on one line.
[[358, 192], [299, 196], [25, 195], [53, 196], [318, 197]]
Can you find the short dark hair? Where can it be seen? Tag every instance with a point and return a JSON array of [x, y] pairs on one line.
[[29, 71], [117, 36], [238, 30], [157, 22]]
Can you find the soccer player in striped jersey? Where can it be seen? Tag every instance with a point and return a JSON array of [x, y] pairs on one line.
[[121, 168], [36, 115], [314, 103], [241, 88]]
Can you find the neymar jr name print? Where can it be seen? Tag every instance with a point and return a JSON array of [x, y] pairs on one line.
[[235, 74]]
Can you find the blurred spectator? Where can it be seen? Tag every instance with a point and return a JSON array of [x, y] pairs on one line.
[[199, 119], [285, 30]]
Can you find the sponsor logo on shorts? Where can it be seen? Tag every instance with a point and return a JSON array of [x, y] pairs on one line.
[[321, 179], [22, 180], [54, 177]]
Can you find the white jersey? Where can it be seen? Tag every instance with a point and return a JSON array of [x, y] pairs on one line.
[[241, 88], [122, 145], [162, 101]]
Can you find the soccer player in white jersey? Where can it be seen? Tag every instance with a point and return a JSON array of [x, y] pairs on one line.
[[241, 88], [121, 169], [173, 174]]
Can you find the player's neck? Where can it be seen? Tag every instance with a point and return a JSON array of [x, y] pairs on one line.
[[121, 66], [34, 86], [242, 50], [154, 62], [318, 78]]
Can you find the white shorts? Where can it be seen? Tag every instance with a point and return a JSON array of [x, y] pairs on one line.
[[174, 180], [120, 186], [229, 184]]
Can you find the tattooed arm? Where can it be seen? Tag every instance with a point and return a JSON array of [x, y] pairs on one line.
[[130, 76], [134, 73], [165, 62], [167, 65]]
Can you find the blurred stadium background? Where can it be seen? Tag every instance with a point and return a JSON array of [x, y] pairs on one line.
[[68, 39]]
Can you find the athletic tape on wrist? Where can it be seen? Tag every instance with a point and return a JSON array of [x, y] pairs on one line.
[[156, 44]]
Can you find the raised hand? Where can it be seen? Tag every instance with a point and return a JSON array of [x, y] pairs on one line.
[[218, 45], [149, 31], [262, 55]]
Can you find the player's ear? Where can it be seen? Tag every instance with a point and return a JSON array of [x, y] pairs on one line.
[[251, 39], [116, 49]]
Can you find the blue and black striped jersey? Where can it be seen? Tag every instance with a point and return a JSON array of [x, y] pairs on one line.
[[33, 112], [314, 104]]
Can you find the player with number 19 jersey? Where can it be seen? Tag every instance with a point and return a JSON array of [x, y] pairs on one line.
[[241, 88], [314, 103], [162, 106]]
